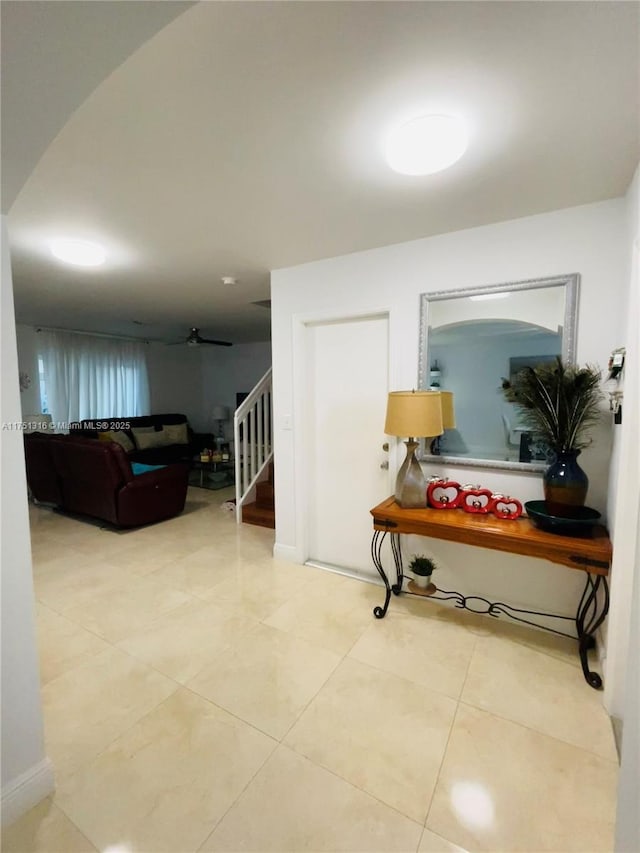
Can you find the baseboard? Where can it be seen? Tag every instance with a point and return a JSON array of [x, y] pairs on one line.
[[288, 553], [348, 573], [25, 792]]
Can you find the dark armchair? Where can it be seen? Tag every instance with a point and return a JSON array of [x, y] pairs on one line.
[[95, 478]]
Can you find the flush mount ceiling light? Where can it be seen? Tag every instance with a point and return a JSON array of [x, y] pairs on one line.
[[229, 279], [482, 297], [427, 145], [80, 253]]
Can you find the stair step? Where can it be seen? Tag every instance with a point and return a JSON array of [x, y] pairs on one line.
[[265, 496], [263, 517]]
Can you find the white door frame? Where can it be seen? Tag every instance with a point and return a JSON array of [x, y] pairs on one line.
[[300, 348]]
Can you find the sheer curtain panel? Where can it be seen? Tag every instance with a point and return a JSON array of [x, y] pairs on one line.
[[90, 377]]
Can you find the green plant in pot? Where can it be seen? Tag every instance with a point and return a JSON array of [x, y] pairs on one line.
[[422, 568], [559, 403]]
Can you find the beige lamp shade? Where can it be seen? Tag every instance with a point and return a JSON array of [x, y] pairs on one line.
[[448, 413], [220, 413], [414, 413]]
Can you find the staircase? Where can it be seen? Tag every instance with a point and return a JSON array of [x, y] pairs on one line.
[[262, 511], [252, 432]]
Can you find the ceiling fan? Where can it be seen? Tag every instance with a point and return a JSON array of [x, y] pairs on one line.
[[194, 339]]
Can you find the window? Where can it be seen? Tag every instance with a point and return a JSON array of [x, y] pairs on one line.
[[84, 377], [44, 404]]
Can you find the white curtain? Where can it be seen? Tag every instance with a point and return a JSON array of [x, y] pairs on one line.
[[88, 378]]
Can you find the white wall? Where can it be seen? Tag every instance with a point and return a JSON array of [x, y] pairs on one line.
[[28, 363], [588, 240], [624, 486], [227, 370], [26, 772], [175, 381]]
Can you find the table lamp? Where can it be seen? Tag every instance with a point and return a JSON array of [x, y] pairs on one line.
[[416, 414], [220, 414]]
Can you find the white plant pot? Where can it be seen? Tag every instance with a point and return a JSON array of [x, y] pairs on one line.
[[422, 581]]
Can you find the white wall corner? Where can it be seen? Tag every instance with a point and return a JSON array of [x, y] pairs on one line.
[[21, 794]]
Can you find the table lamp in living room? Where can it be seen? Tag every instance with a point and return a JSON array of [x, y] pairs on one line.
[[415, 414], [220, 416]]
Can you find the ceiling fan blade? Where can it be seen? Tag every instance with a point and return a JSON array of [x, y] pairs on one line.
[[216, 343]]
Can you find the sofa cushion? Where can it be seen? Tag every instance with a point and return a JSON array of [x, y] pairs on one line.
[[119, 436], [176, 433], [162, 455], [147, 437]]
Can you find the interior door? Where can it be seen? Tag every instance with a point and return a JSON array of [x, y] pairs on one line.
[[347, 385]]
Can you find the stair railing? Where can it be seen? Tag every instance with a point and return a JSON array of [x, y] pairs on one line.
[[253, 439]]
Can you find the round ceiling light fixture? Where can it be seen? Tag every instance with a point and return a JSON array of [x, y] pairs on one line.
[[229, 279], [427, 144], [79, 253]]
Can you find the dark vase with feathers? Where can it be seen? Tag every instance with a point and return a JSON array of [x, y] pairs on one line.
[[559, 403]]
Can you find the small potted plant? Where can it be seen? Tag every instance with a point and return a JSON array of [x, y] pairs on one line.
[[559, 403], [422, 568]]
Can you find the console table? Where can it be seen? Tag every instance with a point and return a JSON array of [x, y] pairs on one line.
[[590, 555]]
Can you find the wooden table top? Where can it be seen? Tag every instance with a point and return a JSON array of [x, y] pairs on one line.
[[592, 554]]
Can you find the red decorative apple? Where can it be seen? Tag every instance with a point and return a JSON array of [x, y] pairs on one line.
[[476, 499], [443, 494], [503, 506]]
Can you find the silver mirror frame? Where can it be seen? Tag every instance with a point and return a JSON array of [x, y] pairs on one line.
[[570, 282]]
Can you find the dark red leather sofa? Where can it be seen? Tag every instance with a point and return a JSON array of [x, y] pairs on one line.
[[95, 478]]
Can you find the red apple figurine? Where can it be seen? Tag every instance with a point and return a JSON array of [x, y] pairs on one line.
[[443, 494], [476, 499]]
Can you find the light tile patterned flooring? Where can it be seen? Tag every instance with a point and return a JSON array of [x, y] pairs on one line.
[[200, 695]]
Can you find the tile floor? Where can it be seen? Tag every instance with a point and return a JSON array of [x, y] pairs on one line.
[[200, 695]]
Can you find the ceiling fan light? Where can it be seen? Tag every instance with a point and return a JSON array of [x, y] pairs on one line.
[[426, 145]]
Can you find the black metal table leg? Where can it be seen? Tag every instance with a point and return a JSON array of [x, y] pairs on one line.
[[396, 588], [376, 556], [589, 617]]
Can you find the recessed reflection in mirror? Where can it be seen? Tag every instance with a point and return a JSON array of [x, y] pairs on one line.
[[473, 358], [471, 341]]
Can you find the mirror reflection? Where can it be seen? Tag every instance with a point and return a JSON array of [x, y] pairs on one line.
[[471, 341]]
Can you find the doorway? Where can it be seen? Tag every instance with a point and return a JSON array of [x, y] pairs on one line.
[[347, 384]]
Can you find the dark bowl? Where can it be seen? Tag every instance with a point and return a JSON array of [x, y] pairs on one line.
[[582, 525]]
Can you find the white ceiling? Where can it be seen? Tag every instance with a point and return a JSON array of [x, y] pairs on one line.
[[245, 137]]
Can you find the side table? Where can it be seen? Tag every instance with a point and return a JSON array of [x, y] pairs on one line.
[[212, 474], [590, 555]]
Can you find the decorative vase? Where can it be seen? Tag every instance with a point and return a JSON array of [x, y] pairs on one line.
[[565, 485]]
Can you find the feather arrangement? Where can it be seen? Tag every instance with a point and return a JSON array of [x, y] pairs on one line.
[[558, 402]]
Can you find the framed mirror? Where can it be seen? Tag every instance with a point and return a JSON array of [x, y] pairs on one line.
[[472, 339]]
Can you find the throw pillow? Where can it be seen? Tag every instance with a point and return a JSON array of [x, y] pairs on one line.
[[119, 436], [147, 437], [176, 433]]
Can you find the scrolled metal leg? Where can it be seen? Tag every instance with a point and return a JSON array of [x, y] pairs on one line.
[[588, 620], [396, 588], [376, 556]]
